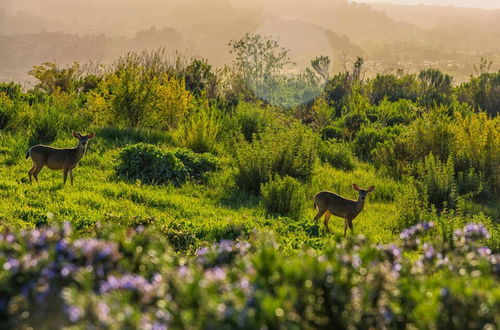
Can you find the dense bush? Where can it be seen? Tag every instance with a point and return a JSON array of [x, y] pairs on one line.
[[436, 182], [281, 152], [331, 132], [283, 197], [51, 279], [149, 164], [394, 87], [6, 111], [201, 131], [197, 165], [370, 136], [482, 92], [251, 120], [338, 155]]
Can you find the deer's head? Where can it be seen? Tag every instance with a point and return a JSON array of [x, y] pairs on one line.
[[83, 139], [362, 192]]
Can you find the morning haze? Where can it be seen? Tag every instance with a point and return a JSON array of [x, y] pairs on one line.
[[387, 36]]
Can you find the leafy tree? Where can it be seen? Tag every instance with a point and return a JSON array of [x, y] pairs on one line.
[[260, 62], [51, 77], [321, 65], [435, 87], [394, 87]]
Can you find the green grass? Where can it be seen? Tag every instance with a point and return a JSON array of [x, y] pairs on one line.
[[204, 212]]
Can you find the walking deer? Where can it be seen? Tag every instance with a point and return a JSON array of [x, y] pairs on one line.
[[58, 159], [330, 203]]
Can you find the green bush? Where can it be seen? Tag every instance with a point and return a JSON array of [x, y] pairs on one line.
[[331, 132], [201, 131], [370, 136], [251, 119], [283, 152], [338, 155], [283, 197], [45, 127], [6, 111], [197, 165], [149, 164], [436, 182]]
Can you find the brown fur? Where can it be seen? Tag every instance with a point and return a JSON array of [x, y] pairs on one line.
[[58, 159], [329, 203]]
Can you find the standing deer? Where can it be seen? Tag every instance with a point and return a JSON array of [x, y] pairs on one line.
[[58, 159], [330, 203]]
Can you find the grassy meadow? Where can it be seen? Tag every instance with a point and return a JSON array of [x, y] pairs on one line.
[[193, 204]]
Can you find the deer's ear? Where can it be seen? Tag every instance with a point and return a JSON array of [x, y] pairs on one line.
[[77, 135], [91, 135], [372, 188], [356, 187]]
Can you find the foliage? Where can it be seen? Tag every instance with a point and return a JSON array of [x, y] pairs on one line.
[[394, 87], [331, 132], [202, 130], [338, 155], [482, 92], [251, 120], [275, 152], [52, 78], [133, 279], [259, 62], [437, 182], [435, 87], [370, 136], [283, 197], [149, 164], [197, 165]]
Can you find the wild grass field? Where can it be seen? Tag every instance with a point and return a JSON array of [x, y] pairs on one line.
[[193, 204]]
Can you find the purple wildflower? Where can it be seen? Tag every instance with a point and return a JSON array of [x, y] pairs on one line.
[[472, 232]]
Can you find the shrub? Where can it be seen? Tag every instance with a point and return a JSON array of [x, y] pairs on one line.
[[11, 89], [370, 136], [338, 155], [281, 152], [6, 111], [201, 131], [45, 127], [149, 164], [331, 132], [197, 165], [394, 87], [436, 182], [251, 119], [283, 197]]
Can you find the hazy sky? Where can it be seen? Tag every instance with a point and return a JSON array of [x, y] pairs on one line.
[[489, 4]]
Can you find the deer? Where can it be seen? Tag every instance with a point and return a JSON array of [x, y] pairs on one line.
[[58, 159], [331, 203]]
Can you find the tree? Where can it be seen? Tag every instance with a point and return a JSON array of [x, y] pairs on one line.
[[435, 87], [321, 65], [260, 63]]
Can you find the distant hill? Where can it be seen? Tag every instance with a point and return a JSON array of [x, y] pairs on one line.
[[387, 36]]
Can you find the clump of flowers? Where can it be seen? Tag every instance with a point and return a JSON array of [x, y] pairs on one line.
[[411, 237], [471, 233]]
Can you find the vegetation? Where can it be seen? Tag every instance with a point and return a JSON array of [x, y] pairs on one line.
[[195, 206]]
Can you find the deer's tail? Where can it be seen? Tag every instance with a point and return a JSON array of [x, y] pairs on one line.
[[28, 153]]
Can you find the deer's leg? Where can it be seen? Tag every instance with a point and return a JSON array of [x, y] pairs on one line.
[[31, 171], [316, 218], [345, 227], [71, 176], [65, 175], [327, 218], [36, 171], [349, 222]]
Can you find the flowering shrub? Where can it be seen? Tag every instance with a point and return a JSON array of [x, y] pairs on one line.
[[49, 278]]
